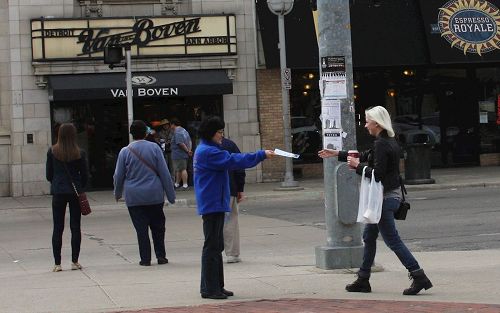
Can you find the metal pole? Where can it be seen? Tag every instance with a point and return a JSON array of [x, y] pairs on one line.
[[343, 248], [287, 133], [130, 95]]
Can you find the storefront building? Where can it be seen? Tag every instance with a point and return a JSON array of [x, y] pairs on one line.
[[432, 63], [190, 59]]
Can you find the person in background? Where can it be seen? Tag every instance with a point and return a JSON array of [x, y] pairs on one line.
[[231, 226], [181, 151], [384, 160], [142, 178], [165, 141], [66, 163], [211, 183]]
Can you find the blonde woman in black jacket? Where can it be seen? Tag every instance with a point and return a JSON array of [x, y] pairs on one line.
[[65, 159], [384, 159]]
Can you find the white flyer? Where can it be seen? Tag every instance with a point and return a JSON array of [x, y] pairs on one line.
[[286, 154], [332, 139], [333, 85], [330, 114]]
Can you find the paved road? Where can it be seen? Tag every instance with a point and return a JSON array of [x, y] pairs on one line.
[[455, 219]]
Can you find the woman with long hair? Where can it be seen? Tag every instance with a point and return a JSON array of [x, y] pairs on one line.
[[384, 160], [66, 163]]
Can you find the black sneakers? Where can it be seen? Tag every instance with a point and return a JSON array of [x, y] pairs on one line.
[[162, 261]]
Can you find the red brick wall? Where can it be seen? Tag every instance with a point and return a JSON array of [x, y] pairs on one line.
[[271, 121]]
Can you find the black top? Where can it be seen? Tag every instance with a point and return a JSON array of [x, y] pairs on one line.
[[57, 176], [236, 177], [384, 158]]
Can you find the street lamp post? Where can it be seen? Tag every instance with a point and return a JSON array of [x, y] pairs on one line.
[[282, 8], [113, 55]]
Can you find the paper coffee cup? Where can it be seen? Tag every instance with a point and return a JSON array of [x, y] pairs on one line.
[[354, 154]]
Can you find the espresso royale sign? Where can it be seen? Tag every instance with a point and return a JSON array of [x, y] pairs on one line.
[[462, 30], [76, 39]]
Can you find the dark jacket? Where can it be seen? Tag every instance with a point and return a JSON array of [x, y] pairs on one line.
[[58, 178], [384, 158], [236, 177]]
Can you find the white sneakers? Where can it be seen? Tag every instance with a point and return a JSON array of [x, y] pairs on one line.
[[76, 266], [233, 259], [57, 268]]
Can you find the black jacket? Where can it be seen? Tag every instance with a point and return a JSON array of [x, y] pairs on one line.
[[58, 178], [236, 177], [384, 158]]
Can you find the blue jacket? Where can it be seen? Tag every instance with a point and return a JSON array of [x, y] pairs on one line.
[[211, 180], [136, 181], [58, 177]]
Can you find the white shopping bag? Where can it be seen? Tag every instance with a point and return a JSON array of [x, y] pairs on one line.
[[371, 197]]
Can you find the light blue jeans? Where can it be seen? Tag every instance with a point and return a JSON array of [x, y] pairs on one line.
[[387, 228]]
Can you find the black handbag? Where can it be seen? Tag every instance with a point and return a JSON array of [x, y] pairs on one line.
[[404, 206]]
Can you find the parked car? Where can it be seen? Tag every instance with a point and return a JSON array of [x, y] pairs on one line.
[[405, 125], [306, 138]]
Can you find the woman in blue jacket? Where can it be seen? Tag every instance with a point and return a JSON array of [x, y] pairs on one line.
[[211, 184]]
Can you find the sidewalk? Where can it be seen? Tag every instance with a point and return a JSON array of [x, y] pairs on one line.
[[278, 263]]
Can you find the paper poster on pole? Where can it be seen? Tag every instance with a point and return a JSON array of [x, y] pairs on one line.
[[333, 86], [332, 139], [333, 82], [330, 114]]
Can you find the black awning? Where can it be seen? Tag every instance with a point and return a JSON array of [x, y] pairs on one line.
[[145, 84]]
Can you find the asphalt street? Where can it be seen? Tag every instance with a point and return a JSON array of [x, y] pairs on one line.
[[439, 220]]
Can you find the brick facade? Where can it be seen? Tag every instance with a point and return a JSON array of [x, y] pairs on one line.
[[271, 121]]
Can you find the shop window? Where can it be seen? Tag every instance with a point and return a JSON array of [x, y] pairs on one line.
[[305, 108]]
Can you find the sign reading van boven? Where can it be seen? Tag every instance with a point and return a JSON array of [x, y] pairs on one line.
[[179, 36]]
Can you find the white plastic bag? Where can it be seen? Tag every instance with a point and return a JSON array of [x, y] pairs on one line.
[[371, 197]]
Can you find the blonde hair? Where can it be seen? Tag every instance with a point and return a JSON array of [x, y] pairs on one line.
[[380, 115]]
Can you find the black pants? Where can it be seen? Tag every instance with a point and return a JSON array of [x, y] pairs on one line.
[[145, 217], [212, 268], [59, 203]]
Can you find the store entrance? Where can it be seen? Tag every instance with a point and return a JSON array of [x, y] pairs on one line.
[[102, 126]]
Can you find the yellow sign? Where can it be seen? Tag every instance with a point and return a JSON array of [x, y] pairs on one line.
[[179, 36]]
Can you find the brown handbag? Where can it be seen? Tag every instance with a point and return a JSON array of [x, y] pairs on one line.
[[82, 197]]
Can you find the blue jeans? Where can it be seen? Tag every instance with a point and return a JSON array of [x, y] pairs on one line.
[[387, 228]]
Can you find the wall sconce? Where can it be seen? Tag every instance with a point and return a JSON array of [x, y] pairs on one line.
[[391, 92], [311, 75], [307, 86]]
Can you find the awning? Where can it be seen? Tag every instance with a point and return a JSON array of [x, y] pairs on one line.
[[145, 84]]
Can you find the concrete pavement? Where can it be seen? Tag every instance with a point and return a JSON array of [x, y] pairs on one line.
[[278, 263]]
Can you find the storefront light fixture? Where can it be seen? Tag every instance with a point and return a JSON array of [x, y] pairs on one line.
[[408, 73], [307, 86], [356, 86], [391, 93], [311, 75], [305, 93]]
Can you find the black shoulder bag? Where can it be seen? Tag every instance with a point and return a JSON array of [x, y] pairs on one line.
[[404, 206]]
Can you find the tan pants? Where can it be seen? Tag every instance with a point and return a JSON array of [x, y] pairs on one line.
[[232, 230]]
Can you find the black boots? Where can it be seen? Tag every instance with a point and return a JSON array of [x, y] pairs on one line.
[[420, 281], [362, 284]]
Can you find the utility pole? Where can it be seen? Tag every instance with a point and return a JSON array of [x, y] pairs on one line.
[[343, 247]]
